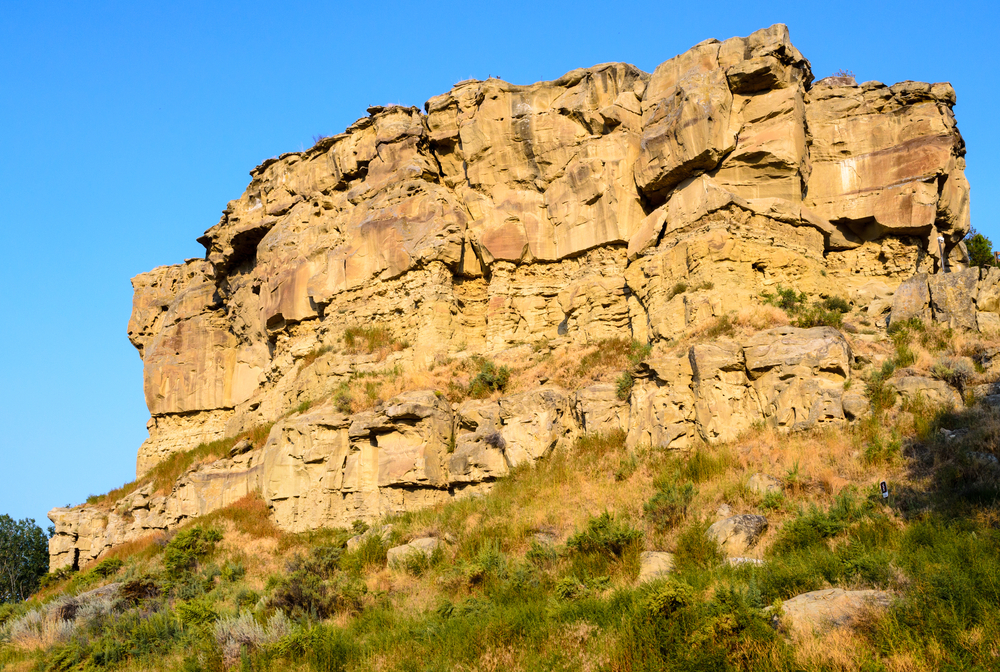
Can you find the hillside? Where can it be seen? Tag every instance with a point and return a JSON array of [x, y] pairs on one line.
[[597, 373]]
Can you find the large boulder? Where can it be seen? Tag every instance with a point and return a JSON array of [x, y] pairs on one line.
[[822, 610], [737, 534], [799, 374]]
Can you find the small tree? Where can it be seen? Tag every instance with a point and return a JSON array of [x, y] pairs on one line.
[[980, 249], [24, 558]]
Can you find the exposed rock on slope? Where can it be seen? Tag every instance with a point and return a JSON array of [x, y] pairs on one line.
[[570, 210], [561, 209], [325, 468]]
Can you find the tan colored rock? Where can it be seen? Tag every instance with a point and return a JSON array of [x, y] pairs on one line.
[[726, 404], [822, 610], [953, 297], [762, 484], [799, 374], [599, 410], [654, 564], [880, 156], [424, 546], [608, 203], [737, 534], [662, 405], [936, 392], [912, 299]]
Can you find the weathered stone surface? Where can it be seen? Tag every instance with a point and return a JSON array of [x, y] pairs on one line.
[[937, 392], [879, 156], [424, 546], [654, 564], [737, 534], [598, 409], [822, 610], [762, 484], [912, 299], [608, 203], [799, 374], [953, 297], [431, 224]]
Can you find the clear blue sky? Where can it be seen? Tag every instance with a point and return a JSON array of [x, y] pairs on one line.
[[126, 127]]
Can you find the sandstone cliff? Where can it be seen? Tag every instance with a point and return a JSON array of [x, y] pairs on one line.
[[566, 211]]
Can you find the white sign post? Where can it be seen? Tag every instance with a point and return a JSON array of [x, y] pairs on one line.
[[885, 490]]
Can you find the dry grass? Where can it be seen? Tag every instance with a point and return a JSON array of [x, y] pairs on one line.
[[249, 515], [142, 548], [377, 340]]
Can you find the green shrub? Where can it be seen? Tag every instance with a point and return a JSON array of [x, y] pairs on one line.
[[232, 571], [814, 526], [678, 288], [488, 379], [371, 553], [722, 326], [623, 386], [368, 340], [836, 303], [786, 298], [668, 507], [183, 552], [702, 465], [605, 535], [954, 371], [818, 316], [108, 567], [331, 649], [694, 550], [665, 596], [196, 613]]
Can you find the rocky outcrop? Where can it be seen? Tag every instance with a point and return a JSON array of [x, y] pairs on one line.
[[793, 378], [571, 209], [325, 468], [608, 203], [964, 299], [737, 534]]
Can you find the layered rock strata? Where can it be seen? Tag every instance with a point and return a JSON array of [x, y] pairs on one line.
[[607, 203], [568, 208], [325, 468]]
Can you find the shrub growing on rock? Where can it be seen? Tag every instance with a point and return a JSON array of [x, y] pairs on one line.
[[489, 378]]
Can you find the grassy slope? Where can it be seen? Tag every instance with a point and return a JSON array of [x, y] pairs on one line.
[[494, 598]]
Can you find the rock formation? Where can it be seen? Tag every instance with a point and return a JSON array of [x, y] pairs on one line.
[[571, 211]]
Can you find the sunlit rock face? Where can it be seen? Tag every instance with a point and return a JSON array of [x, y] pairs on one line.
[[565, 211]]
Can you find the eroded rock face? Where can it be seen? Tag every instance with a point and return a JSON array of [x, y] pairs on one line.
[[606, 203], [324, 468], [963, 299], [569, 208]]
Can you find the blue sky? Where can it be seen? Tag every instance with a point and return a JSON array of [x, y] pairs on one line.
[[126, 127]]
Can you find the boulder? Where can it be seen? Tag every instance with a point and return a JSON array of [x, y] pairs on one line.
[[654, 564], [912, 299], [423, 546], [737, 534], [953, 298], [383, 532], [762, 484], [936, 392], [822, 610], [799, 374]]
